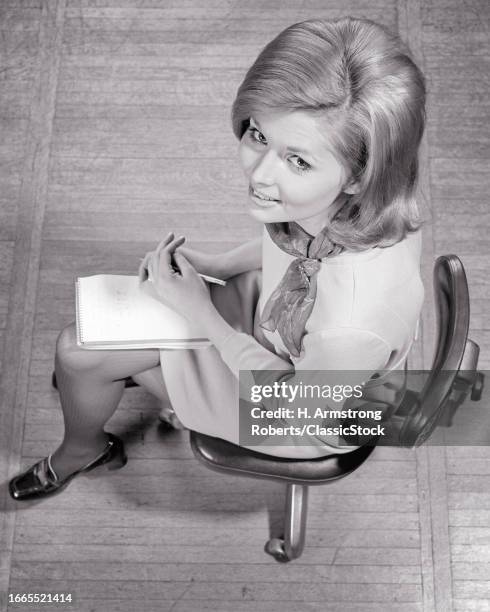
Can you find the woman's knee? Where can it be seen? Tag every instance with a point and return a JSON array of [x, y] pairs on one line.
[[71, 357]]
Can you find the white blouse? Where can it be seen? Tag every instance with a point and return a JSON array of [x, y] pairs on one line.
[[365, 315]]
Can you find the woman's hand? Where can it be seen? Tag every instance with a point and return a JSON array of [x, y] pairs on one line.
[[169, 240], [204, 263], [207, 263], [175, 280]]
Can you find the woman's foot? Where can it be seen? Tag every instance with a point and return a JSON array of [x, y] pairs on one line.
[[42, 479], [68, 459]]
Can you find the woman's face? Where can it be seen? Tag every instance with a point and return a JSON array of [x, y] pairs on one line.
[[292, 171]]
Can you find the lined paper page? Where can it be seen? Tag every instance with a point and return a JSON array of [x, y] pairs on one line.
[[116, 309]]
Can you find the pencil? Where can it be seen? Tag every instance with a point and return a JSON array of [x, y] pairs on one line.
[[208, 279]]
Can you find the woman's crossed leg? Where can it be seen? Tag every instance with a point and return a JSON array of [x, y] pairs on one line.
[[91, 384]]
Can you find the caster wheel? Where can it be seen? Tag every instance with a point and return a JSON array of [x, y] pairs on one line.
[[275, 548], [477, 390]]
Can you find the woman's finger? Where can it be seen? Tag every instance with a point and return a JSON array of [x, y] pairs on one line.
[[163, 243], [165, 256], [143, 268], [182, 262], [153, 268]]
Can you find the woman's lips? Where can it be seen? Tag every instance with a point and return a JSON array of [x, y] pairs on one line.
[[261, 199]]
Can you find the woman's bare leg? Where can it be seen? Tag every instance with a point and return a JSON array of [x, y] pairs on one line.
[[91, 385], [152, 381]]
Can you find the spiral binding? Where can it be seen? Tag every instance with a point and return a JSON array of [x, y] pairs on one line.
[[79, 322]]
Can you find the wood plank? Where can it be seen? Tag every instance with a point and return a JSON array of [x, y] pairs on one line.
[[41, 30], [473, 511], [249, 568], [307, 573], [87, 604], [152, 138], [186, 56], [24, 19], [150, 227], [448, 17], [205, 535], [468, 483], [174, 519], [472, 589], [470, 535], [8, 216], [223, 6], [472, 605], [188, 91], [458, 179], [467, 553], [471, 571], [240, 497], [471, 501], [179, 176], [455, 44], [162, 110], [121, 12], [216, 589], [468, 466], [178, 18]]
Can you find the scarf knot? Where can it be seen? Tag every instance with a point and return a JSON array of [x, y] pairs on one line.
[[290, 304]]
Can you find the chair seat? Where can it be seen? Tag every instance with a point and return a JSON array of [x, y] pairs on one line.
[[223, 456]]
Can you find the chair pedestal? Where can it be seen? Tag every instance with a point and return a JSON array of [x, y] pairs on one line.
[[297, 474], [291, 545], [452, 377]]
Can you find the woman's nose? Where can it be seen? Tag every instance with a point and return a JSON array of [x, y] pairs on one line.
[[264, 170]]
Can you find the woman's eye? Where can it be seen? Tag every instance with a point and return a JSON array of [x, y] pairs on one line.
[[299, 163], [256, 136]]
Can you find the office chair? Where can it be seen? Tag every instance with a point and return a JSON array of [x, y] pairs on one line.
[[454, 369], [452, 377]]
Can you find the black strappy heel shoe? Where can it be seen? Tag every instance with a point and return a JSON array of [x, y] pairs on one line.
[[41, 480]]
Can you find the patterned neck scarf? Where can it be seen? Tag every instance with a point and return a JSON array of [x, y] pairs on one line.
[[292, 301]]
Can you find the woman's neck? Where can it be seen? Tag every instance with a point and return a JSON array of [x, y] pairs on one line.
[[312, 226]]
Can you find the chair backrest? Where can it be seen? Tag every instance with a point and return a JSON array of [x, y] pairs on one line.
[[453, 316]]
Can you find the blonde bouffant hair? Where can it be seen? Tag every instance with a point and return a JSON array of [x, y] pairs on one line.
[[360, 82]]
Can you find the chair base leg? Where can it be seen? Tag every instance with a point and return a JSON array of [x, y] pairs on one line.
[[291, 545]]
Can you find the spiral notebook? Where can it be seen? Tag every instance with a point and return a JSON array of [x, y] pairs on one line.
[[117, 312]]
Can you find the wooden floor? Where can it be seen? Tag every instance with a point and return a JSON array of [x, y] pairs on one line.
[[115, 129]]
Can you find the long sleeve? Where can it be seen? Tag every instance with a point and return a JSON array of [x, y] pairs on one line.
[[335, 349], [330, 358]]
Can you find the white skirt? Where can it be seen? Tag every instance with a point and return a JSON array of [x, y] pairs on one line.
[[203, 390]]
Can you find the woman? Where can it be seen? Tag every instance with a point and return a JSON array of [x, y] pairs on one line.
[[329, 118]]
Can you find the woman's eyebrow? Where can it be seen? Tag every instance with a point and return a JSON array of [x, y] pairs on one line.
[[306, 152], [293, 149]]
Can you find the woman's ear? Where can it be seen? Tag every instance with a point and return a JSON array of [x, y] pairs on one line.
[[352, 187]]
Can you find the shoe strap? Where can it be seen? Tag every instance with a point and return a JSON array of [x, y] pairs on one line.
[[44, 472]]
